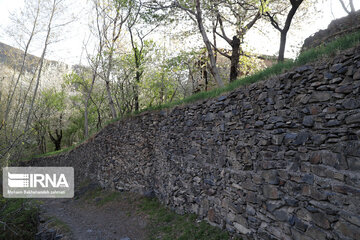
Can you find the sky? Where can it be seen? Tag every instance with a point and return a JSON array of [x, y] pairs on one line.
[[69, 49]]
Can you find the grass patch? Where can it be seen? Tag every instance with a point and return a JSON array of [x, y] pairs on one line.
[[100, 197], [19, 219], [108, 197], [163, 223], [167, 225], [59, 225]]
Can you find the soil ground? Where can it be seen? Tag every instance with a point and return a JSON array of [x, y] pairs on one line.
[[95, 218]]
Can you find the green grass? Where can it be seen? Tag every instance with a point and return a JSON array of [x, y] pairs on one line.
[[306, 57], [19, 219], [101, 197], [163, 223], [167, 225], [59, 225]]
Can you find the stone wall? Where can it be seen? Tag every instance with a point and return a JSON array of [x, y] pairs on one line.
[[337, 28], [278, 159]]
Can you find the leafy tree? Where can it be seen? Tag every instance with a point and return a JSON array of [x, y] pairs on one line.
[[111, 16], [49, 116]]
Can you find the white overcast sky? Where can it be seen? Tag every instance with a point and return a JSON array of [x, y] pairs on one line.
[[69, 49]]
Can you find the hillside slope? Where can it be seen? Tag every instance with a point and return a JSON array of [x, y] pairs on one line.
[[277, 159]]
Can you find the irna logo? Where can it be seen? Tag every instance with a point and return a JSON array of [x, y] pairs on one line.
[[38, 182], [18, 180]]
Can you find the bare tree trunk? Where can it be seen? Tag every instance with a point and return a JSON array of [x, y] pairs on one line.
[[213, 68], [22, 63], [281, 56], [49, 28], [56, 141], [107, 82], [235, 57], [295, 4], [352, 8]]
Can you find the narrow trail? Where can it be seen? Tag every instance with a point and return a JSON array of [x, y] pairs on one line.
[[84, 220]]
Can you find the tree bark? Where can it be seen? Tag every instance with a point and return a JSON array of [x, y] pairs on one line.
[[23, 62], [47, 39], [281, 56], [294, 6], [235, 57], [57, 140], [213, 68]]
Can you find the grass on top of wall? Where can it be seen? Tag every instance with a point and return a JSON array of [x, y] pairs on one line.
[[311, 55], [306, 57]]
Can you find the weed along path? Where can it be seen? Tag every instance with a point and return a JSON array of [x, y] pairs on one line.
[[97, 215]]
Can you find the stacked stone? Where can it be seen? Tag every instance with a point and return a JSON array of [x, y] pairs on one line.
[[337, 28], [277, 159]]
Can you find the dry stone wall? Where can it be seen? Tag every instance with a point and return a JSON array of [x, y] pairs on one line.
[[337, 28], [278, 159]]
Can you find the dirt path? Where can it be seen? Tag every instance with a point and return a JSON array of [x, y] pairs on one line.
[[87, 220]]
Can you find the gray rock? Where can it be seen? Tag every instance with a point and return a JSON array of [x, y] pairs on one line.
[[351, 103], [271, 192], [347, 230], [320, 96], [356, 75], [308, 121], [301, 138], [355, 118], [336, 67]]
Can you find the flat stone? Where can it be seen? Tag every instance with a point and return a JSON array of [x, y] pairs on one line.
[[291, 202], [298, 235], [273, 205], [353, 163], [300, 225], [318, 139], [352, 148], [308, 178], [271, 192], [308, 121], [336, 80], [347, 229], [312, 192], [277, 139], [301, 138], [325, 157], [242, 229], [345, 89], [222, 98], [355, 118], [259, 123], [356, 75], [336, 67], [209, 117], [332, 123], [328, 76], [250, 210], [321, 96], [275, 119], [281, 215], [271, 177], [344, 189], [351, 103], [262, 96], [320, 219], [316, 233]]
